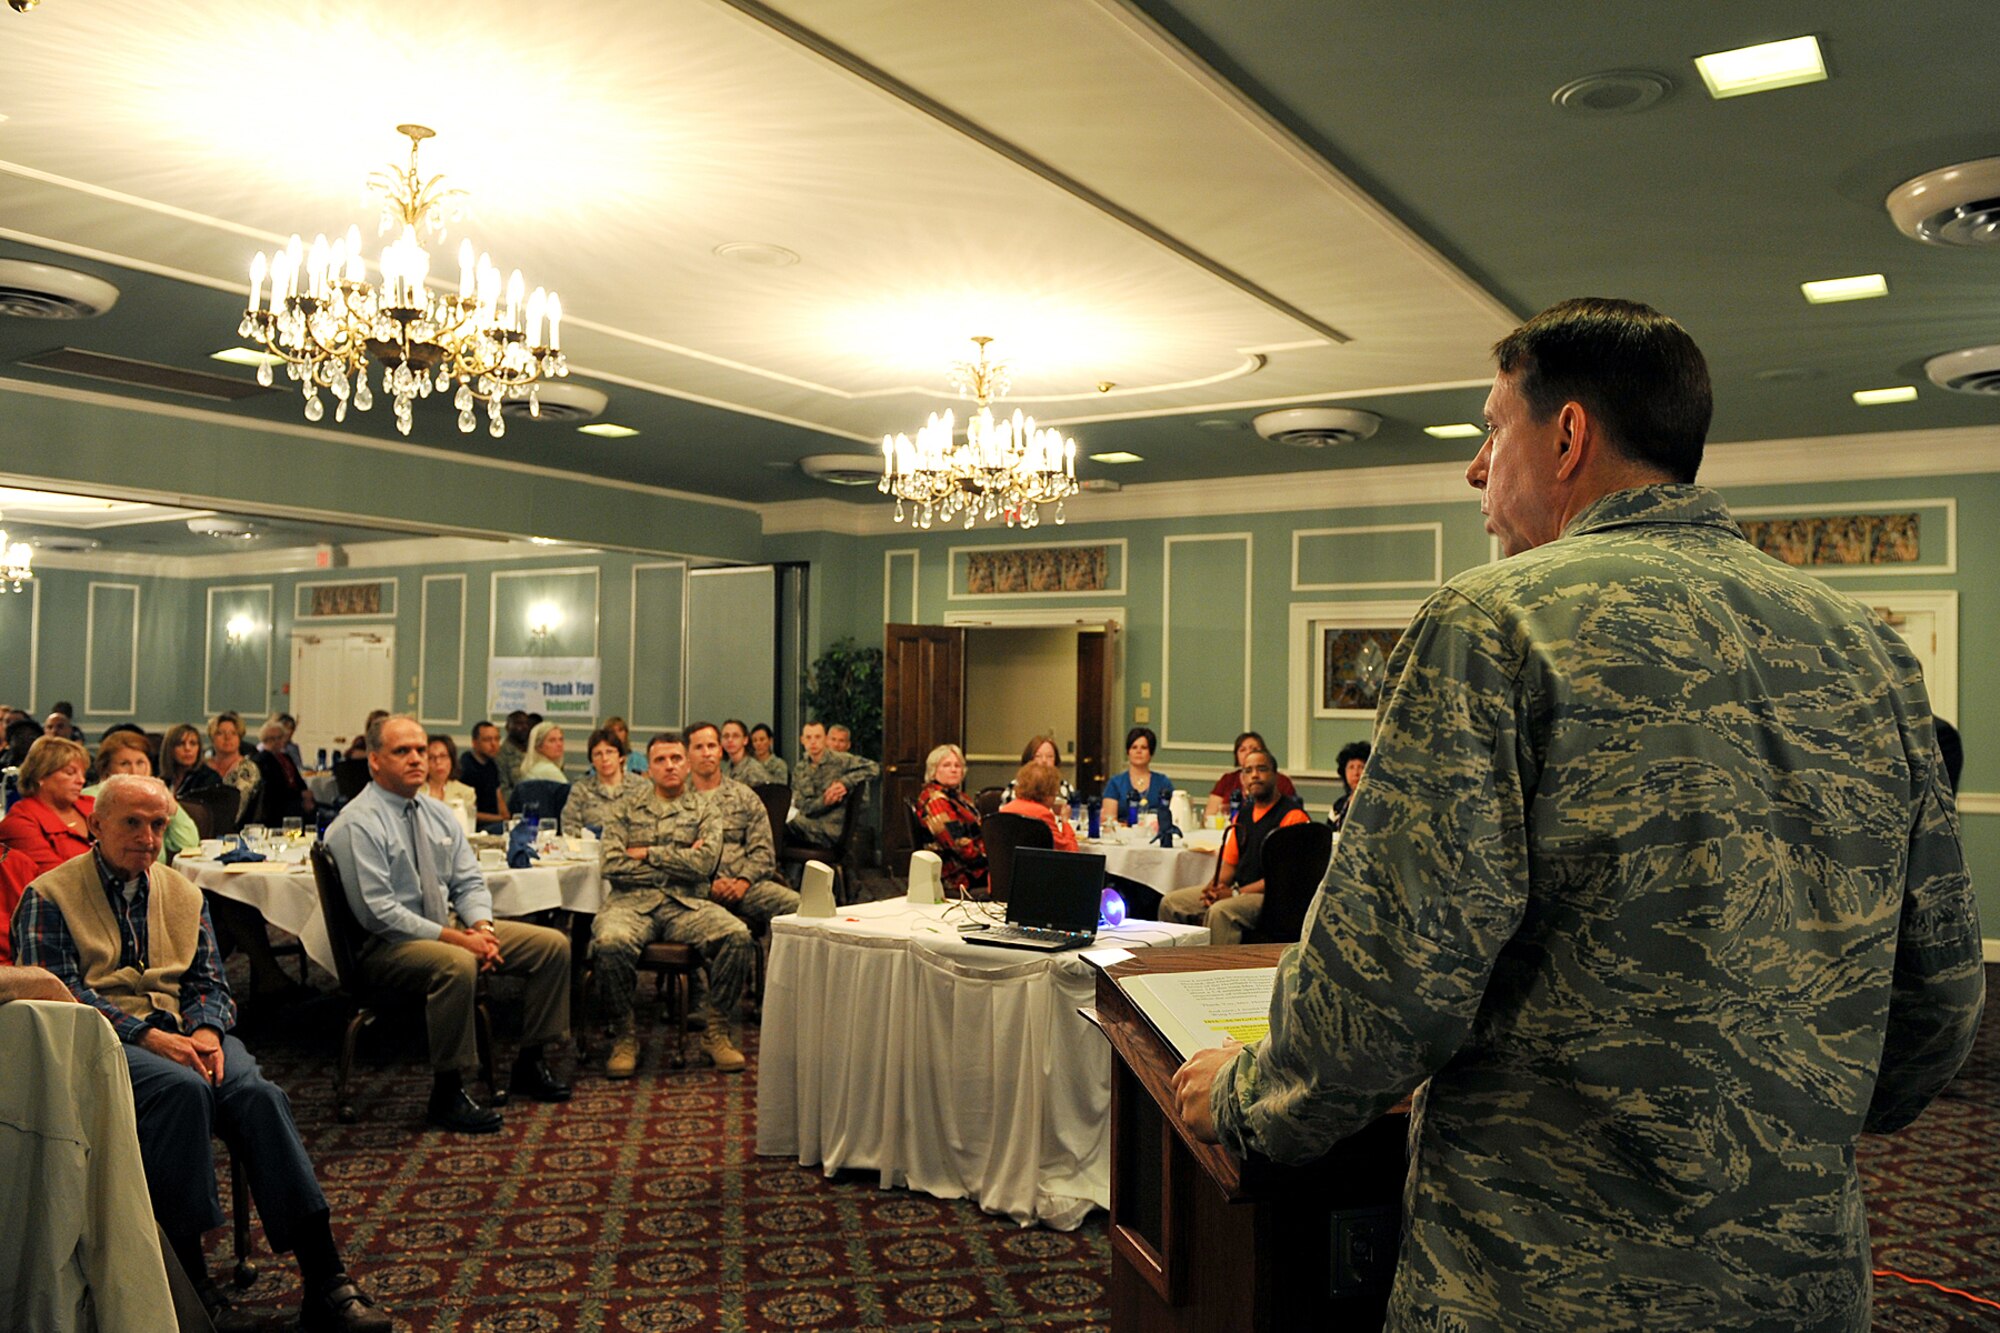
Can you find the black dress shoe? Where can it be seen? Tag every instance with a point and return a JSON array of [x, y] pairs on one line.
[[460, 1114], [344, 1308], [534, 1078], [222, 1312]]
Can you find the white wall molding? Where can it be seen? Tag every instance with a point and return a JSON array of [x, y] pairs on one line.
[[1436, 531], [1979, 803], [268, 630], [1301, 686], [829, 515], [889, 559], [1167, 632], [1949, 565], [566, 571], [396, 552], [90, 655], [423, 646], [632, 719]]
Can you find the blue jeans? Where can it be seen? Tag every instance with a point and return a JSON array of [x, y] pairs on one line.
[[178, 1110]]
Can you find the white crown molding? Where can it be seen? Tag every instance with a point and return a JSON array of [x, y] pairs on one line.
[[1878, 456], [363, 556], [1979, 803]]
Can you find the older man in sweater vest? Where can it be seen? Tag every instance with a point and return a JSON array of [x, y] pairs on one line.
[[132, 938]]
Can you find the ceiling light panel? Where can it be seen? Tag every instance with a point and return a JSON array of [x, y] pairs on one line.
[[1762, 68], [1859, 288], [1117, 456], [609, 430], [1901, 393], [1458, 430], [246, 356]]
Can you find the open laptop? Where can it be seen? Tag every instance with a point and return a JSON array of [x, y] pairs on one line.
[[1053, 903]]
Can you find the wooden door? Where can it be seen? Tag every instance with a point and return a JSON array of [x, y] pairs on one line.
[[923, 706], [1093, 766]]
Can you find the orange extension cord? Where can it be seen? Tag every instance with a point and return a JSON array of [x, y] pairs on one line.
[[1926, 1282]]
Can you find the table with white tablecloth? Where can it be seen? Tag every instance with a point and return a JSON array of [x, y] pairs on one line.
[[287, 898], [891, 1044], [1162, 869]]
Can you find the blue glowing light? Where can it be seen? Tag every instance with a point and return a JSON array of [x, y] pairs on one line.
[[1110, 910]]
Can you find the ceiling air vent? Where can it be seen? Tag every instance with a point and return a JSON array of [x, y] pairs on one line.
[[1969, 370], [40, 291], [1315, 427], [1957, 205], [562, 402], [146, 374], [843, 469]]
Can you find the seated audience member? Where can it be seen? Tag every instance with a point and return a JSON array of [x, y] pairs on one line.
[[593, 798], [634, 761], [22, 732], [1138, 787], [358, 747], [952, 821], [736, 756], [545, 756], [291, 743], [181, 766], [1232, 903], [746, 880], [130, 937], [1042, 749], [414, 884], [839, 739], [1351, 761], [820, 782], [1230, 783], [282, 790], [514, 749], [479, 770], [661, 851], [50, 824], [62, 726], [235, 768], [767, 766], [126, 752], [440, 763], [1037, 788]]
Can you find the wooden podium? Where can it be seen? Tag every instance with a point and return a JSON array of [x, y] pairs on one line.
[[1202, 1241]]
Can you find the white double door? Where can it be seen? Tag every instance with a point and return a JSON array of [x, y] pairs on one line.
[[338, 678]]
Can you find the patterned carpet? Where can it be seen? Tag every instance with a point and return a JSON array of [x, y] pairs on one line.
[[641, 1207]]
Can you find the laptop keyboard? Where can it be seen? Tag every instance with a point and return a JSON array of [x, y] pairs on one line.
[[1034, 934]]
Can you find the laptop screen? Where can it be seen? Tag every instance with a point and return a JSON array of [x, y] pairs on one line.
[[1056, 890]]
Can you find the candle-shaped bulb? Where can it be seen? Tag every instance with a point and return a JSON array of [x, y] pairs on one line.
[[537, 306], [357, 267], [555, 322], [258, 266], [466, 269], [515, 288]]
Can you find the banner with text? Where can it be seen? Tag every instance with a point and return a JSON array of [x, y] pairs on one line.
[[555, 687]]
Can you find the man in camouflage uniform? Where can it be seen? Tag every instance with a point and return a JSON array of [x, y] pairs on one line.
[[821, 780], [1655, 879], [747, 880], [661, 849]]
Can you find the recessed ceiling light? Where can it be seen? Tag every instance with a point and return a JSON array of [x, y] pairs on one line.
[[607, 430], [1858, 288], [1759, 69], [760, 253], [1222, 423], [1458, 430], [541, 541], [1117, 456], [1902, 393], [246, 356]]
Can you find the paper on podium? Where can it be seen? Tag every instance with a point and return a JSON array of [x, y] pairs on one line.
[[1195, 1011]]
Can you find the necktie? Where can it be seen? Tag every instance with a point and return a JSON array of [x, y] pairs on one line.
[[427, 875]]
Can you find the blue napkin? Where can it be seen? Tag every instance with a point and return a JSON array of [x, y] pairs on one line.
[[236, 854], [521, 845]]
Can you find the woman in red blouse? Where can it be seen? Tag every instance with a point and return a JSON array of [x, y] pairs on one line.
[[1036, 788], [50, 824], [952, 820]]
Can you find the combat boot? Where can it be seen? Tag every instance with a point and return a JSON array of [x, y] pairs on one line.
[[623, 1062], [716, 1046]]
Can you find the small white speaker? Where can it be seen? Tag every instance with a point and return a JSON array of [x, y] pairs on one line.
[[816, 890], [926, 878]]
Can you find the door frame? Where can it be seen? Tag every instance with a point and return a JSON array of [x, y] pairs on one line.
[[385, 631], [1064, 617]]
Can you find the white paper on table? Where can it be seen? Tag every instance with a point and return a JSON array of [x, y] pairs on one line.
[[1196, 1011]]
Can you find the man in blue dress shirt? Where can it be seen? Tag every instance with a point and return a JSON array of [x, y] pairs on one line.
[[414, 882]]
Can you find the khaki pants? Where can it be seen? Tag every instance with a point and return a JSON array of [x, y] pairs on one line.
[[1226, 920], [448, 979]]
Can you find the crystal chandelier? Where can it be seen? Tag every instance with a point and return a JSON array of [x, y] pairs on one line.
[[17, 561], [1002, 468], [327, 324]]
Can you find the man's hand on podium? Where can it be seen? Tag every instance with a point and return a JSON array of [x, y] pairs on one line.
[[1192, 1084]]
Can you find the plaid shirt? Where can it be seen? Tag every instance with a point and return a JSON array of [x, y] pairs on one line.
[[42, 939]]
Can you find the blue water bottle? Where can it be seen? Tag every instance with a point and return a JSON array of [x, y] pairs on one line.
[[1096, 818]]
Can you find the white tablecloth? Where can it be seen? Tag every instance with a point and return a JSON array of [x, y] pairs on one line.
[[286, 897], [1162, 869], [892, 1045]]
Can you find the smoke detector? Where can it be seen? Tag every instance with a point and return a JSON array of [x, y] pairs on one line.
[[561, 401], [1968, 370], [210, 525], [42, 291], [843, 469], [1957, 205], [1315, 427]]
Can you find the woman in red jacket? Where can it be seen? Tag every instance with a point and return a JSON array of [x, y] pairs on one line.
[[51, 822]]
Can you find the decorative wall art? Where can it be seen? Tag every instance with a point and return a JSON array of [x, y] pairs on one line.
[[321, 601], [1028, 570], [1353, 667], [1838, 539]]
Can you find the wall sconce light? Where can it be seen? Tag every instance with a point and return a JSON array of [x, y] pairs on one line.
[[544, 619], [239, 628]]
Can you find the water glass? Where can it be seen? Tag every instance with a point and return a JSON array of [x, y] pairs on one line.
[[295, 828], [254, 835]]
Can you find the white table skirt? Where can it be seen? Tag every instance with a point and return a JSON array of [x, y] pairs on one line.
[[287, 898], [961, 1070], [1162, 869]]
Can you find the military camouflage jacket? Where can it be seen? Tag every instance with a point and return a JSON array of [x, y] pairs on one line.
[[747, 851], [668, 830], [751, 770], [809, 786], [591, 803], [1654, 850]]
